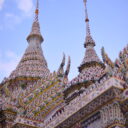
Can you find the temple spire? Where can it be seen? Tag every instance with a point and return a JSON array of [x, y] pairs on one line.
[[90, 53], [33, 62], [89, 40]]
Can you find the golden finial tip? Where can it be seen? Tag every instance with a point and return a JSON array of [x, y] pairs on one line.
[[37, 11]]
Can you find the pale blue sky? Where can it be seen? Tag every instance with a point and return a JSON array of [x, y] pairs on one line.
[[63, 28]]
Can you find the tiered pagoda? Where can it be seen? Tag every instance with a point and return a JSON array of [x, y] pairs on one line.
[[33, 97]]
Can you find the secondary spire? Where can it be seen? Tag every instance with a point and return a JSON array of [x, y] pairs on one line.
[[90, 54]]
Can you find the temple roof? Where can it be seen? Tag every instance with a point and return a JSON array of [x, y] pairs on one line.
[[38, 100], [43, 104]]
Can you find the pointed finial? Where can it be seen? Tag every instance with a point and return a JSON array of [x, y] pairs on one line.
[[85, 1], [65, 78], [86, 12], [61, 68], [63, 60], [37, 11], [68, 66], [35, 31], [106, 58], [89, 41], [87, 19]]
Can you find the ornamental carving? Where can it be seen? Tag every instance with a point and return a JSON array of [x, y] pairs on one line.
[[111, 114]]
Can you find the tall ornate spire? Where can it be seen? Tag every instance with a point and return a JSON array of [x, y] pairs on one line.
[[33, 63], [90, 70], [90, 54], [91, 67]]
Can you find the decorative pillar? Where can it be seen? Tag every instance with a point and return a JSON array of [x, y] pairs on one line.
[[112, 116]]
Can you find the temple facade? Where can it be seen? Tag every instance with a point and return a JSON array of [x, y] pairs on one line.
[[34, 97]]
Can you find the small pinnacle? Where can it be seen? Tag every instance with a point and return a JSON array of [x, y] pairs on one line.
[[37, 11]]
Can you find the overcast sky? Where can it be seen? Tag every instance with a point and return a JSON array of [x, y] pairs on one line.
[[63, 28]]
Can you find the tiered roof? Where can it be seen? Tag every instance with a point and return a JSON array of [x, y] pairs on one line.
[[38, 100]]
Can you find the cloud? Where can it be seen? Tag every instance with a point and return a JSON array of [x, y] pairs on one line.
[[10, 20], [1, 4], [24, 9], [11, 55], [8, 62], [26, 6]]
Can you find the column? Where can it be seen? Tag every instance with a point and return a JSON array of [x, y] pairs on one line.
[[112, 116]]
